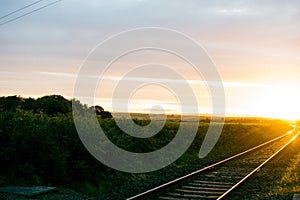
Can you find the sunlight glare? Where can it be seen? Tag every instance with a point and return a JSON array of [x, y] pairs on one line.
[[280, 101]]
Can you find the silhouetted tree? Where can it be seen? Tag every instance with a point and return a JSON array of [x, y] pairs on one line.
[[29, 104], [105, 114], [9, 103], [54, 104], [98, 109]]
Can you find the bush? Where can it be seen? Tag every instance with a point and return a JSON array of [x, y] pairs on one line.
[[39, 144]]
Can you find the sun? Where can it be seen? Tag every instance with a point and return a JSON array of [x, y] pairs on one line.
[[280, 101]]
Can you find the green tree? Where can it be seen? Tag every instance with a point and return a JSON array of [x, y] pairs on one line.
[[54, 104]]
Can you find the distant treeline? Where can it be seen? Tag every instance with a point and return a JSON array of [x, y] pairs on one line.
[[50, 105]]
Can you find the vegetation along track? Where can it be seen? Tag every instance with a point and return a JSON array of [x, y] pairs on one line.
[[219, 179]]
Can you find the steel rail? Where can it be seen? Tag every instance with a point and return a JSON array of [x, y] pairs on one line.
[[258, 168], [148, 192]]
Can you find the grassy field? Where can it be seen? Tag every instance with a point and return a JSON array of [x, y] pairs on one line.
[[278, 179], [238, 135], [289, 183], [40, 146]]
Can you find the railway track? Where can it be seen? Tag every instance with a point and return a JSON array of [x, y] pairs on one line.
[[218, 180]]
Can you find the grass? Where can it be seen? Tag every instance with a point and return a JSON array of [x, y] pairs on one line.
[[278, 179], [234, 139], [290, 181], [40, 146]]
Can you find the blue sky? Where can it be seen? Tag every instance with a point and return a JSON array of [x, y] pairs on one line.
[[254, 44]]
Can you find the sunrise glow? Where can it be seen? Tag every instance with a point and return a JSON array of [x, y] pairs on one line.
[[255, 49], [281, 102]]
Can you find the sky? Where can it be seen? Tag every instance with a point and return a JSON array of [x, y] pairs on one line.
[[255, 46]]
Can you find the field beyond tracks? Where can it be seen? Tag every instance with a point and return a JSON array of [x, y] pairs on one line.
[[40, 149]]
